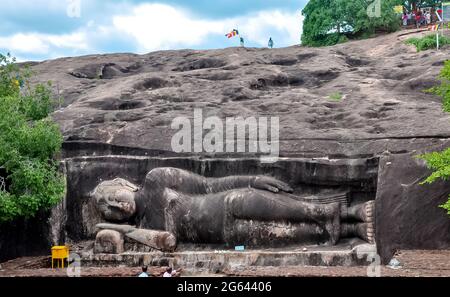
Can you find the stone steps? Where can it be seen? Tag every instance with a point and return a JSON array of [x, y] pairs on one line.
[[217, 261]]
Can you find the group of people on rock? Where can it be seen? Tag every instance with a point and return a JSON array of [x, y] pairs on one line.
[[170, 272], [418, 18], [269, 44]]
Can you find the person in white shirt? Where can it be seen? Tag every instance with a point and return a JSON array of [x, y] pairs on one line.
[[170, 272], [144, 272]]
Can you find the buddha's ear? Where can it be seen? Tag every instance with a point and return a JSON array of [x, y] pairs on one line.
[[93, 192], [123, 182], [98, 189], [134, 188], [131, 186]]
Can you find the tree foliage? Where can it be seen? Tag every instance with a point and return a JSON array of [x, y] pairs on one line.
[[412, 5], [29, 142], [439, 162], [328, 22], [443, 89]]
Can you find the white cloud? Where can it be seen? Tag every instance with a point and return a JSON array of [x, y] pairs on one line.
[[49, 5], [159, 26], [268, 23], [24, 43], [36, 43]]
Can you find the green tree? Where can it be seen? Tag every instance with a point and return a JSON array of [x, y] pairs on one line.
[[328, 22], [412, 5], [29, 142], [439, 162]]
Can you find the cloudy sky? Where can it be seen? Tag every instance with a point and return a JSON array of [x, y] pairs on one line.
[[46, 29]]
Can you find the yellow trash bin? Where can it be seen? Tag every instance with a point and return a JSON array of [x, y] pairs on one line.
[[60, 253]]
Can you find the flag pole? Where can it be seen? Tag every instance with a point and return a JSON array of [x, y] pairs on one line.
[[440, 22]]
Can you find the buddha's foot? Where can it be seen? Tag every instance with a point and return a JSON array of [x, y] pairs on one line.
[[332, 226], [366, 212], [366, 231]]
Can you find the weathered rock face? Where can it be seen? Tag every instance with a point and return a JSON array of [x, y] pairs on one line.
[[130, 100], [34, 236], [118, 109], [25, 237], [407, 216]]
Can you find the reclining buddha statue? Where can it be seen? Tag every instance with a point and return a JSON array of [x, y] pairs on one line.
[[175, 205]]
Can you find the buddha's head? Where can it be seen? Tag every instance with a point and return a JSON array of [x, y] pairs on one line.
[[115, 199]]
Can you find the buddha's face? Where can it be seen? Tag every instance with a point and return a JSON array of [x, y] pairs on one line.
[[115, 199]]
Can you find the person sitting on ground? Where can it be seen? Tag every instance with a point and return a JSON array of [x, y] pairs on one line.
[[170, 272], [144, 272]]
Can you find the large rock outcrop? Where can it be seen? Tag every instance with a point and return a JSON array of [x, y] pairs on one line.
[[406, 212], [365, 139], [129, 100]]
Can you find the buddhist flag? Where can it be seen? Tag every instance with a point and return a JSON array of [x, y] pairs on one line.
[[232, 33], [434, 28], [398, 9]]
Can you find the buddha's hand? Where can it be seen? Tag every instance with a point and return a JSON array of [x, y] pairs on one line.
[[271, 184]]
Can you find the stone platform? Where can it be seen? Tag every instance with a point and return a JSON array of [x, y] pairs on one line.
[[196, 260]]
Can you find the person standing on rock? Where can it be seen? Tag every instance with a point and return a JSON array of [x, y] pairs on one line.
[[270, 43], [418, 18], [242, 41], [405, 19], [428, 17]]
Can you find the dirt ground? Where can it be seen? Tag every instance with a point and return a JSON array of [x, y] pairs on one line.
[[417, 263], [413, 264]]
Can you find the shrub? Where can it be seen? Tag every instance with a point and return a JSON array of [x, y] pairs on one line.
[[443, 90], [336, 96], [427, 42], [439, 162], [29, 142]]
